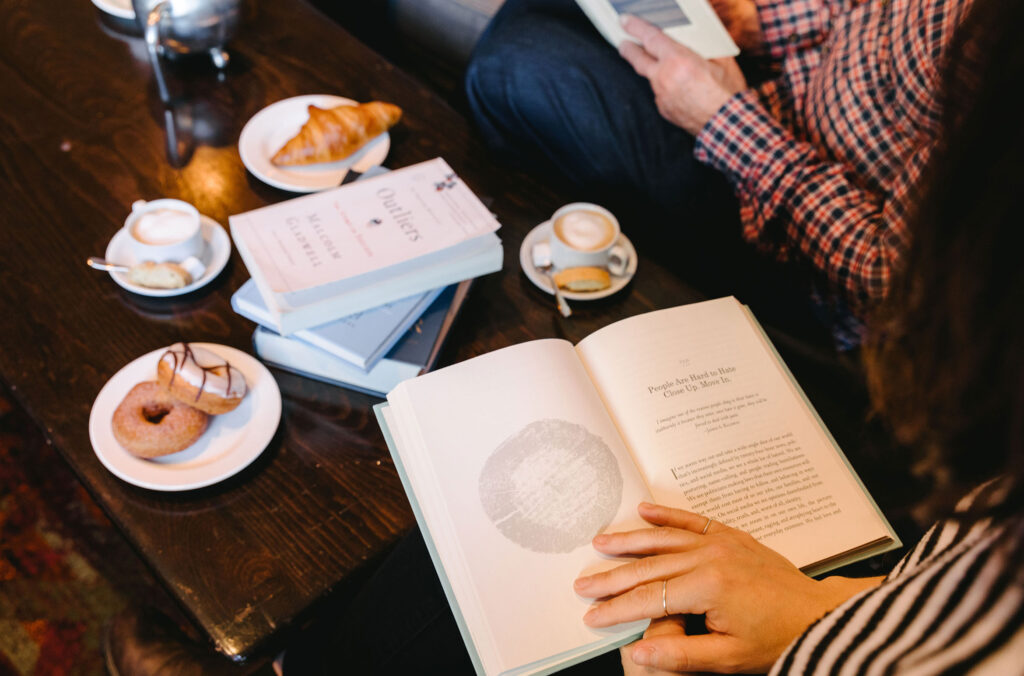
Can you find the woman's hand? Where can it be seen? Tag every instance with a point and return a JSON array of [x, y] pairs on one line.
[[664, 627], [740, 18], [755, 601], [688, 89]]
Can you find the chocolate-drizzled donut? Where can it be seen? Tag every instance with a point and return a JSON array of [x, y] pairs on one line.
[[201, 379]]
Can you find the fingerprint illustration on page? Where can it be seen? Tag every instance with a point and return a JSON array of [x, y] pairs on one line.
[[551, 487]]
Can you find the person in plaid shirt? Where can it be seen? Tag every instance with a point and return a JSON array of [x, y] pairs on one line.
[[821, 156]]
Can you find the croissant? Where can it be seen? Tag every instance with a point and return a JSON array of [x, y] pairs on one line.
[[335, 133]]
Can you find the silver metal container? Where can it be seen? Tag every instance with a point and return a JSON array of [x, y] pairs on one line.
[[189, 26]]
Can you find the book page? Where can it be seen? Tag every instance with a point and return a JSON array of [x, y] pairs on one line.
[[693, 23], [516, 466], [717, 427]]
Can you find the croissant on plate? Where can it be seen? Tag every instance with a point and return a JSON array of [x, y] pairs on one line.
[[335, 133]]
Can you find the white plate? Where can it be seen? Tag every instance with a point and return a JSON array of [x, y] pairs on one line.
[[215, 256], [229, 444], [542, 233], [119, 8], [271, 128]]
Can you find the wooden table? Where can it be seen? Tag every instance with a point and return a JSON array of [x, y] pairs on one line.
[[82, 135]]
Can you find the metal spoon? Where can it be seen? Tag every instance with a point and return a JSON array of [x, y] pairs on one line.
[[104, 264], [541, 255]]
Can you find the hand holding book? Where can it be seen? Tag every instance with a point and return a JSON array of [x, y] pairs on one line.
[[693, 23], [688, 88], [755, 601]]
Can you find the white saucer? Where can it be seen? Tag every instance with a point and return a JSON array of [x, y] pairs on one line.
[[541, 233], [269, 129], [215, 256], [230, 443], [119, 8]]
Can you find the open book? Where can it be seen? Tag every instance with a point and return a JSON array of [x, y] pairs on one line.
[[514, 460], [689, 22]]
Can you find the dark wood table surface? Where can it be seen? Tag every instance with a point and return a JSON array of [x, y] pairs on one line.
[[82, 135]]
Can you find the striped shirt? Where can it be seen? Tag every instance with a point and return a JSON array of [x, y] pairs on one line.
[[953, 605], [822, 158]]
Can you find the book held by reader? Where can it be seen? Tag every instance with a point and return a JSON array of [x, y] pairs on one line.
[[690, 22], [515, 459], [334, 253]]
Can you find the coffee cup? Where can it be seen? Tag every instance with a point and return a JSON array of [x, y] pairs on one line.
[[165, 230], [586, 235]]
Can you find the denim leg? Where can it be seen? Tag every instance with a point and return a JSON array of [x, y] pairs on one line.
[[545, 87]]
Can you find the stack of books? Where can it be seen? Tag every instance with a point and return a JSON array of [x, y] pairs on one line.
[[359, 285]]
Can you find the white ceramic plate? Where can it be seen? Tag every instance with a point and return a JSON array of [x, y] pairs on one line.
[[118, 8], [269, 129], [229, 444], [215, 256], [542, 233]]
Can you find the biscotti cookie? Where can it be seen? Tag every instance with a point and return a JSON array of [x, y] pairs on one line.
[[586, 279]]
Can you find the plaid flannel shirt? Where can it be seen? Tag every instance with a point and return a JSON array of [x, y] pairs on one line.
[[823, 156]]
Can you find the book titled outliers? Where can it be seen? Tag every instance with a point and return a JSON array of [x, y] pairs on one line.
[[332, 254]]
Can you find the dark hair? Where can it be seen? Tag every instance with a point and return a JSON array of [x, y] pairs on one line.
[[945, 362]]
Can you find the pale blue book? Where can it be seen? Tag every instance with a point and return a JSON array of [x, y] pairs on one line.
[[415, 353], [360, 339]]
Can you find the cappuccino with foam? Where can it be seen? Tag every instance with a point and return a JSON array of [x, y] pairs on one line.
[[164, 226], [166, 230], [585, 235], [585, 230]]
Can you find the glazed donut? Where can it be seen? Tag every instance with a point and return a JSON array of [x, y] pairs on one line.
[[149, 422], [201, 379]]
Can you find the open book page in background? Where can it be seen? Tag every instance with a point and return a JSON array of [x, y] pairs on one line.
[[690, 22], [516, 466], [664, 14]]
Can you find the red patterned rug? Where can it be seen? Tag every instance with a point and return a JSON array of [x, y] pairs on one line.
[[64, 568]]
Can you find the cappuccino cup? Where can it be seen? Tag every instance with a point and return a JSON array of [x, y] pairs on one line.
[[586, 235], [164, 231]]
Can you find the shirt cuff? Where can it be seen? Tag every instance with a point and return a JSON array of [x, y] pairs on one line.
[[792, 25], [741, 138], [754, 151]]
